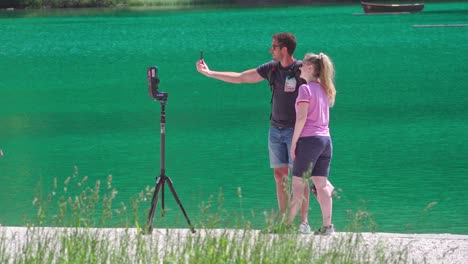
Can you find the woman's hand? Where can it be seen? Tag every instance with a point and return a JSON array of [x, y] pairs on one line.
[[293, 150]]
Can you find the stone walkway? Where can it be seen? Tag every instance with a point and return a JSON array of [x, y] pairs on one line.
[[421, 248]]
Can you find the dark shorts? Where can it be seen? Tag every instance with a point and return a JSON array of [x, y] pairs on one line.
[[313, 156]]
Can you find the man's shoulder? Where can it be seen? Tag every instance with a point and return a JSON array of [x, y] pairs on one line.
[[269, 64], [267, 67], [296, 64]]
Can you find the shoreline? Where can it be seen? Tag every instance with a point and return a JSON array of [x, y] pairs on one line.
[[420, 248]]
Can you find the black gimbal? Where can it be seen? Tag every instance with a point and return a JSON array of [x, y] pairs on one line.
[[153, 85], [153, 82]]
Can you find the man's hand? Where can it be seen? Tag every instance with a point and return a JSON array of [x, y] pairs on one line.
[[202, 67]]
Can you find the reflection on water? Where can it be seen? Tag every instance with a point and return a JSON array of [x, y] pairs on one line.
[[73, 93]]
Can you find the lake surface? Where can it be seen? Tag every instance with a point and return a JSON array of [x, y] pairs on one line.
[[73, 94]]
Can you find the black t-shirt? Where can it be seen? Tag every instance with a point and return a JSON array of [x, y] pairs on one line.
[[284, 84]]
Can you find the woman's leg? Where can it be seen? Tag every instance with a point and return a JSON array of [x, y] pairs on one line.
[[324, 198], [298, 197]]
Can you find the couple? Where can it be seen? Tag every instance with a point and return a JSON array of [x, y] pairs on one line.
[[299, 137]]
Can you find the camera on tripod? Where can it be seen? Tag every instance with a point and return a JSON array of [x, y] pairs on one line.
[[153, 83], [162, 179]]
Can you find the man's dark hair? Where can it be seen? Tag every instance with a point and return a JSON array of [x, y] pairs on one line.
[[286, 39]]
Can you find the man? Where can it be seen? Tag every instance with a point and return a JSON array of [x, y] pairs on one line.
[[282, 74]]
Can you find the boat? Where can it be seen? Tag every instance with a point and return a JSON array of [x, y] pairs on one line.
[[370, 8]]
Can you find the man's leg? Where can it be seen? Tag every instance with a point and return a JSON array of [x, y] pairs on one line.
[[282, 188], [305, 204]]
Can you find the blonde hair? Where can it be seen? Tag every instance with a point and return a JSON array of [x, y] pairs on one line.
[[324, 72]]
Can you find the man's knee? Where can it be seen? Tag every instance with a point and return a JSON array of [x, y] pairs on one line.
[[281, 173]]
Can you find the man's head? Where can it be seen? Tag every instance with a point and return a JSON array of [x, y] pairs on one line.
[[285, 40]]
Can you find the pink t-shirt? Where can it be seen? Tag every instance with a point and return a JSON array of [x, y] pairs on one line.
[[318, 113]]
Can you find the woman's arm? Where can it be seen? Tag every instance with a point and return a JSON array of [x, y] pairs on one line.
[[301, 117]]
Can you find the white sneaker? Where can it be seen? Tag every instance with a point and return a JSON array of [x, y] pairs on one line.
[[304, 228]]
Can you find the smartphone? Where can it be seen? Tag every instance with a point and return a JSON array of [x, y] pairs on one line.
[[201, 54], [153, 81]]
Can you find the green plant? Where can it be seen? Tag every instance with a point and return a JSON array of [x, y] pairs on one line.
[[80, 207]]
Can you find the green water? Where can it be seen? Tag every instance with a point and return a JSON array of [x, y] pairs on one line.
[[73, 93]]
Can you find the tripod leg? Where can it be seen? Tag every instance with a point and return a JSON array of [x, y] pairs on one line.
[[163, 210], [154, 202], [176, 197]]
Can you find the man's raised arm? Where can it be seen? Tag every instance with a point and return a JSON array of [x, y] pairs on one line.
[[248, 76]]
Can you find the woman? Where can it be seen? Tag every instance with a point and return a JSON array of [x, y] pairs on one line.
[[311, 146]]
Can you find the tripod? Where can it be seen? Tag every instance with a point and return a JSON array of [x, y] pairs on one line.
[[162, 178]]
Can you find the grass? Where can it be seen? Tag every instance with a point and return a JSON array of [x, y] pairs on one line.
[[76, 208], [91, 245], [107, 3]]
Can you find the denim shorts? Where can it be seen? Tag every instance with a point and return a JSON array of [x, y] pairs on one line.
[[313, 155], [279, 144]]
